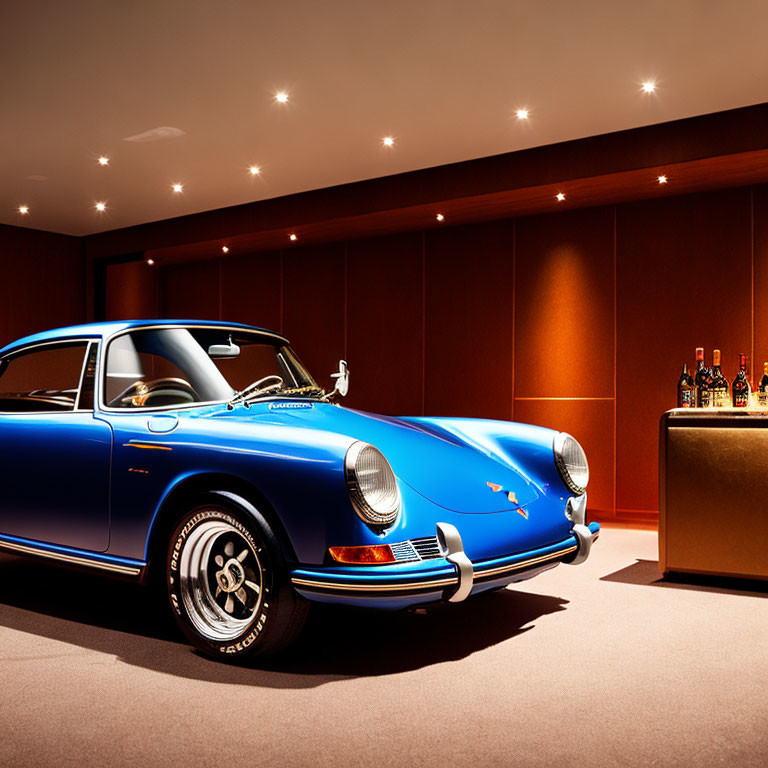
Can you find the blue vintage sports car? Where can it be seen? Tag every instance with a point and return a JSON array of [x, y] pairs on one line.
[[203, 457]]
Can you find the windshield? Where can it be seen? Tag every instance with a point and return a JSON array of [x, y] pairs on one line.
[[159, 367]]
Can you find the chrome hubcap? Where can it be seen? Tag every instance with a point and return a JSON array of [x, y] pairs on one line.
[[220, 580]]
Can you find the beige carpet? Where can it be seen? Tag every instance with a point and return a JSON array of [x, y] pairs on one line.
[[596, 665]]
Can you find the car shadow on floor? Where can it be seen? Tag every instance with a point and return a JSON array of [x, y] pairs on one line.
[[122, 620], [646, 573]]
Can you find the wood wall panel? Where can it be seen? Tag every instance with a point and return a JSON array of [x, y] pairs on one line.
[[314, 307], [760, 223], [384, 324], [683, 280], [469, 316], [131, 291], [591, 423], [251, 290], [42, 282], [191, 291], [564, 305]]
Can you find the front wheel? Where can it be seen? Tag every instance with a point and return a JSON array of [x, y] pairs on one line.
[[228, 584]]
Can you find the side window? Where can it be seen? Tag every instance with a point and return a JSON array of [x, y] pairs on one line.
[[44, 378]]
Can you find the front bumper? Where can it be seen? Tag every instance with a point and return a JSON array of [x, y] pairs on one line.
[[453, 577]]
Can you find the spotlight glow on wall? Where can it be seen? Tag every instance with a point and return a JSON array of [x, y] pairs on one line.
[[388, 141], [177, 187], [23, 209], [254, 170], [103, 160], [281, 97], [440, 217], [649, 86], [522, 114], [560, 197], [151, 262], [225, 249], [662, 179], [293, 238], [100, 207]]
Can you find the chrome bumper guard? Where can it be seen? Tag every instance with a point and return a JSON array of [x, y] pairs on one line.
[[576, 510], [450, 541]]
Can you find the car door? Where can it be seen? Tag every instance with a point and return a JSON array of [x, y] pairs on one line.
[[54, 452]]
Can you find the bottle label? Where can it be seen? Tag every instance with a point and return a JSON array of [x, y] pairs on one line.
[[703, 397], [719, 397], [762, 399], [686, 398]]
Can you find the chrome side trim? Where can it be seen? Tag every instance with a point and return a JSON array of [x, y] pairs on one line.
[[126, 570], [395, 587], [483, 574]]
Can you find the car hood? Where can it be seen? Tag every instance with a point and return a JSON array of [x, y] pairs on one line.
[[455, 473]]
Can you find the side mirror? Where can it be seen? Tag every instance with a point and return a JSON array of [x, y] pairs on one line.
[[342, 379], [223, 351]]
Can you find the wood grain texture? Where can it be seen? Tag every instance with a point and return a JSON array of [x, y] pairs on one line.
[[564, 305], [384, 324], [469, 316], [684, 280]]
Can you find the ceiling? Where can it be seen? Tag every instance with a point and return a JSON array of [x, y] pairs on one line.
[[443, 77]]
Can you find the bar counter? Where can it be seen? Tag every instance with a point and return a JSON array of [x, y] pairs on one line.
[[713, 492]]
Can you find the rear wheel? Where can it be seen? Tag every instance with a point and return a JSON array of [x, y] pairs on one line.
[[228, 583]]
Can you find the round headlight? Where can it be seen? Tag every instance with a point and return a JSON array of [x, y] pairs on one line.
[[571, 463], [372, 485]]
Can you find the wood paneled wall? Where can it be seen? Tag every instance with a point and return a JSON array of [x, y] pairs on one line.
[[42, 282], [577, 320]]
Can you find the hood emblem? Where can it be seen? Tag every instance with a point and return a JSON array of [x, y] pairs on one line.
[[495, 487]]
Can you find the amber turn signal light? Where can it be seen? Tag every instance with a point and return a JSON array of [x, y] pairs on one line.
[[373, 555]]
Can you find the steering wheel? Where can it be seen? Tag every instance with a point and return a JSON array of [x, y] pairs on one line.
[[140, 392]]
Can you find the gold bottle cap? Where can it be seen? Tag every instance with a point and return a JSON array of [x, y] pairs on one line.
[[715, 357]]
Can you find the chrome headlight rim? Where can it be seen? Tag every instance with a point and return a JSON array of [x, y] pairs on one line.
[[560, 442], [363, 508]]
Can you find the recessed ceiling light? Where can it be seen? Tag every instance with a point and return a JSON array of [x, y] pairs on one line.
[[177, 187], [23, 209], [649, 86], [440, 217], [101, 207], [293, 238], [522, 114], [254, 170], [151, 262], [662, 179], [560, 197], [388, 141], [281, 97], [224, 249], [103, 160]]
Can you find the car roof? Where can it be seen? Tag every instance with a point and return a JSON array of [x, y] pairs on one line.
[[105, 330]]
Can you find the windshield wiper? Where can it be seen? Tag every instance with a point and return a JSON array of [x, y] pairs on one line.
[[256, 389]]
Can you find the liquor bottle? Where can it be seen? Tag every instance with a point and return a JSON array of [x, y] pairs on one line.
[[740, 388], [762, 388], [719, 387], [702, 381], [686, 392]]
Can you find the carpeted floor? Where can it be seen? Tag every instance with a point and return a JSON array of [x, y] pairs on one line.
[[598, 665]]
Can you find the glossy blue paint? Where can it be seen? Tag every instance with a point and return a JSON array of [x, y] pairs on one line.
[[96, 481]]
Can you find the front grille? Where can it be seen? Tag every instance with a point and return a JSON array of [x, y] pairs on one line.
[[404, 552], [427, 547]]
